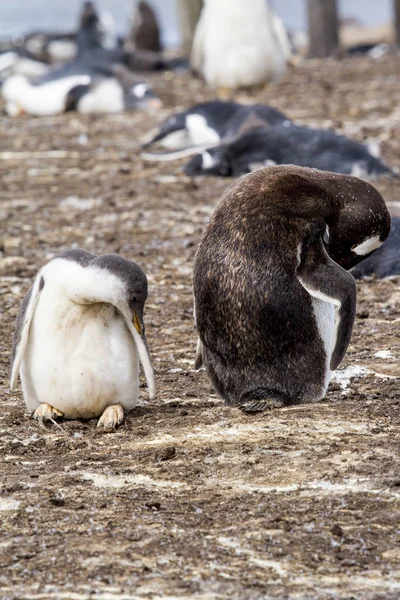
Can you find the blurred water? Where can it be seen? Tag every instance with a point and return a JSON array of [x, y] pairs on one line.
[[20, 16]]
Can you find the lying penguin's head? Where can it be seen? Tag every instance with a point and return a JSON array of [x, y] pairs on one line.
[[215, 161], [141, 96], [172, 133]]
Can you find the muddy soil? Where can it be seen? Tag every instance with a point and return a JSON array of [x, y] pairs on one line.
[[189, 498]]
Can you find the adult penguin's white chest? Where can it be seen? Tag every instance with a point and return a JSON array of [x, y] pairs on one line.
[[79, 358], [241, 47], [324, 314]]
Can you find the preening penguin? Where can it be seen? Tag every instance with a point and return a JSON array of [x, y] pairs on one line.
[[239, 44], [274, 307], [79, 336]]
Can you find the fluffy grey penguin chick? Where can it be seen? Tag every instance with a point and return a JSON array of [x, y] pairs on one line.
[[274, 305], [79, 336]]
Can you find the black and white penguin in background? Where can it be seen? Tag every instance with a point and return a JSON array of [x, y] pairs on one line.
[[295, 145], [79, 337], [85, 86], [206, 124], [274, 305], [385, 262], [237, 45], [95, 31], [18, 61]]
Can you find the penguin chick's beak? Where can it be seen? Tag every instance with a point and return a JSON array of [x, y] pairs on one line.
[[137, 324], [153, 104]]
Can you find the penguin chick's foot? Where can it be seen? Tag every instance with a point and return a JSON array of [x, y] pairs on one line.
[[112, 417], [45, 412], [257, 406], [224, 93]]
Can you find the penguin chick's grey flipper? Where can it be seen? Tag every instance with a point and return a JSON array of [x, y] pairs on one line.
[[22, 325], [326, 280]]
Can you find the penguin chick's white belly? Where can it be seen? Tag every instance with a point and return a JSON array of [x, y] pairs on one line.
[[324, 313], [79, 358]]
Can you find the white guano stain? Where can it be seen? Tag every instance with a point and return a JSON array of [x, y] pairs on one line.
[[344, 376], [119, 481], [9, 504], [383, 354]]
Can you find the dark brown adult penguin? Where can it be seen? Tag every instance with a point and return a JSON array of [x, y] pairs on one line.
[[274, 305], [145, 32]]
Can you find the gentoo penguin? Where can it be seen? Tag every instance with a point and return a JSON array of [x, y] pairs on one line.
[[274, 305], [207, 124], [51, 47], [18, 61], [83, 86], [42, 99], [385, 262], [89, 35], [297, 145], [145, 32], [95, 31], [79, 336], [237, 45]]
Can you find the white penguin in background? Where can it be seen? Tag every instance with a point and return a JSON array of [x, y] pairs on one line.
[[239, 44], [79, 336]]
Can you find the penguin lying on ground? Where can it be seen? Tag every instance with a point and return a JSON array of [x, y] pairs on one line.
[[235, 46], [83, 86], [274, 305], [18, 61], [207, 124], [385, 262], [50, 47], [79, 336], [297, 145]]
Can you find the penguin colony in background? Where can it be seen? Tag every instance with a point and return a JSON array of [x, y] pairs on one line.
[[274, 303], [96, 74]]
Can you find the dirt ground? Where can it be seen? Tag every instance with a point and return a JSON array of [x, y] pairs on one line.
[[191, 499]]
